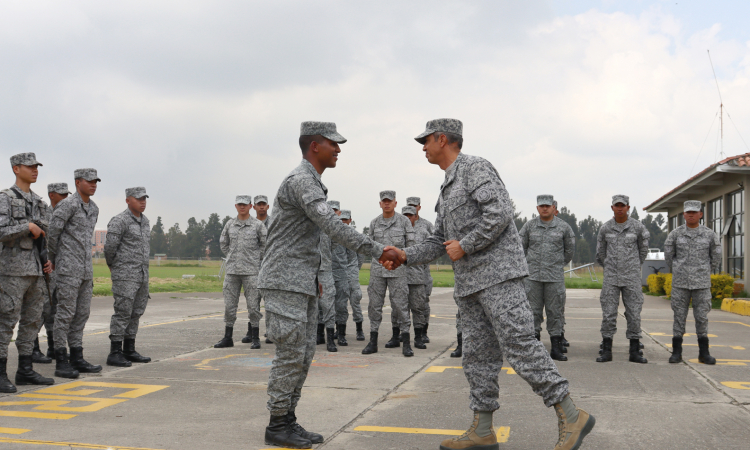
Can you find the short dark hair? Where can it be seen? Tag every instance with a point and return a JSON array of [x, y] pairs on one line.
[[305, 141], [452, 138]]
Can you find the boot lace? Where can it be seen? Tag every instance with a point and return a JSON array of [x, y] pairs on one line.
[[561, 426]]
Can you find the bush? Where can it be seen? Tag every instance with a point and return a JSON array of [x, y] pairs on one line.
[[656, 283], [722, 286], [668, 284]]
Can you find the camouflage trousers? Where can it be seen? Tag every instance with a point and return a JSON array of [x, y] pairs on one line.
[[428, 291], [497, 323], [701, 307], [347, 294], [326, 303], [231, 290], [632, 298], [417, 301], [355, 299], [21, 300], [550, 297], [459, 327], [398, 291], [291, 318], [50, 306], [131, 298], [73, 309]]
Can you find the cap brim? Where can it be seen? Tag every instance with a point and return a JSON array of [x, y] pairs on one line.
[[422, 138], [545, 204], [335, 137], [387, 198]]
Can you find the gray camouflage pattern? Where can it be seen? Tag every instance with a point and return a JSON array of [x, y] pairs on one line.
[[131, 299], [231, 290], [326, 302], [60, 188], [454, 126], [127, 247], [18, 255], [680, 300], [87, 174], [136, 192], [260, 199], [70, 234], [475, 209], [243, 242], [73, 309], [619, 198], [339, 262], [24, 159], [413, 201], [621, 249], [334, 204], [398, 291], [692, 205], [390, 195], [409, 210], [21, 302], [545, 200], [243, 200], [396, 231], [632, 299], [355, 290], [692, 254], [345, 214], [549, 296], [325, 129], [418, 304], [548, 248]]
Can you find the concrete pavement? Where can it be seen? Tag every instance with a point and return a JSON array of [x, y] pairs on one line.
[[195, 397]]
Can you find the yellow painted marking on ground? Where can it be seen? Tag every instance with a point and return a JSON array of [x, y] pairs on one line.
[[723, 321], [70, 444], [509, 370], [167, 323], [134, 390], [203, 365], [502, 432], [441, 369], [13, 430], [725, 362], [734, 347], [32, 414], [96, 403], [684, 335], [737, 384]]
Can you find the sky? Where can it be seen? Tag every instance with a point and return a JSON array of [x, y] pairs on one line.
[[202, 101]]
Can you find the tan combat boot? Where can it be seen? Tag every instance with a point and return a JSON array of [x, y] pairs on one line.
[[471, 441], [572, 434]]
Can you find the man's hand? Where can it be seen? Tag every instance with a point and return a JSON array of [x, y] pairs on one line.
[[320, 290], [455, 252], [35, 230], [392, 257], [48, 267]]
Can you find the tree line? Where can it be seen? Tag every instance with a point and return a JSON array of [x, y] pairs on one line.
[[199, 240]]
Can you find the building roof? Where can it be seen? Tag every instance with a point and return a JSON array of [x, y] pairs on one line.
[[710, 176]]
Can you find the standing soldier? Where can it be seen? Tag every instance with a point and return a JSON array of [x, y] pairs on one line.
[[23, 221], [261, 208], [565, 297], [549, 244], [692, 252], [474, 226], [243, 241], [126, 251], [390, 228], [326, 312], [354, 263], [339, 263], [621, 248], [416, 275], [424, 227], [288, 277], [70, 234]]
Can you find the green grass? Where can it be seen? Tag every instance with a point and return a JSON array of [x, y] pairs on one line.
[[582, 283], [441, 278], [103, 286]]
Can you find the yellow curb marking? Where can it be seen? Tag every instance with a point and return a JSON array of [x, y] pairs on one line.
[[13, 430], [684, 335], [441, 369], [502, 432], [734, 347], [70, 444], [203, 365], [737, 384], [725, 362]]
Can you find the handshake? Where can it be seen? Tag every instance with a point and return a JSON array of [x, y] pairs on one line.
[[393, 257]]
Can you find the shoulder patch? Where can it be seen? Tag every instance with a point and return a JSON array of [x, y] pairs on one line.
[[322, 208], [484, 194]]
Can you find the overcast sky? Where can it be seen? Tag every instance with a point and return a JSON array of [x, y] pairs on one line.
[[201, 101]]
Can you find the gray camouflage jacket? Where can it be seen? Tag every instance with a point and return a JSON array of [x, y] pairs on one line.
[[300, 212], [70, 233], [474, 208], [692, 254], [339, 262], [127, 247], [19, 256], [243, 243], [420, 273], [396, 231], [621, 249], [325, 254], [548, 248]]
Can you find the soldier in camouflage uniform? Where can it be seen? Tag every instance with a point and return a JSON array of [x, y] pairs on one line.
[[621, 248], [353, 264], [549, 244], [424, 227], [126, 251], [390, 228], [565, 297], [339, 264], [692, 252], [289, 277], [243, 241], [326, 309], [416, 276], [70, 234], [261, 208], [23, 225], [474, 226]]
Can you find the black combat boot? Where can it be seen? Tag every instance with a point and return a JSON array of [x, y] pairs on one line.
[[425, 338], [335, 332], [37, 356], [227, 340], [330, 344], [606, 351], [6, 387], [636, 355], [268, 341], [419, 338], [395, 341], [50, 346], [321, 334], [556, 349], [360, 333], [703, 354], [676, 350], [248, 338], [538, 336], [564, 341], [80, 364], [255, 336], [315, 438], [63, 369], [406, 341], [115, 357], [128, 349], [459, 351], [372, 346], [280, 434], [25, 374], [342, 336]]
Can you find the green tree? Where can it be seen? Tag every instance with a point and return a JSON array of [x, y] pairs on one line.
[[570, 219], [212, 234], [634, 213], [158, 239], [195, 246], [657, 232], [176, 242], [517, 219]]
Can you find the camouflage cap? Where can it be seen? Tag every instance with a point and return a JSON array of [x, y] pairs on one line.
[[345, 214], [545, 200], [413, 201], [390, 195], [334, 204], [325, 129], [619, 198], [243, 200], [24, 159], [445, 125], [60, 188], [136, 192], [88, 174], [409, 210], [260, 199], [692, 205]]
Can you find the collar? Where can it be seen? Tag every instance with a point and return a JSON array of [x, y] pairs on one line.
[[28, 196], [137, 219], [450, 172], [307, 165], [551, 223]]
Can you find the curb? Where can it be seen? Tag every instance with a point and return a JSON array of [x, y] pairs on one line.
[[736, 306]]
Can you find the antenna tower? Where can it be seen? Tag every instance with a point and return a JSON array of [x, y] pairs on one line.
[[721, 105]]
